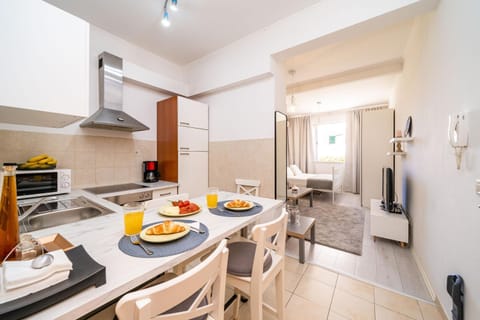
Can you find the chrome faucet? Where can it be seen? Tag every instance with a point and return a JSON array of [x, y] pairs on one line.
[[33, 208]]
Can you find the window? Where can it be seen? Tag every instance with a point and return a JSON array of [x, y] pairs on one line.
[[330, 142]]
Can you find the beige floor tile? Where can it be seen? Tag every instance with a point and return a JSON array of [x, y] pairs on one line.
[[299, 308], [382, 313], [399, 303], [315, 291], [355, 287], [321, 274], [291, 280], [430, 311], [269, 296], [293, 265], [244, 313], [352, 307], [335, 316]]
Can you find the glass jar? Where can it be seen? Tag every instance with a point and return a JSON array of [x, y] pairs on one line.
[[9, 231], [293, 213]]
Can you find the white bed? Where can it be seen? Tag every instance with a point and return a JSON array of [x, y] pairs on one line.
[[329, 182]]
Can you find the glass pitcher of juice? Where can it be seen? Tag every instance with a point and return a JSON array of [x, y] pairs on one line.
[[9, 232]]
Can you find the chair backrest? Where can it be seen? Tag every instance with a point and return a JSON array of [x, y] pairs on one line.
[[199, 291], [271, 236], [246, 186]]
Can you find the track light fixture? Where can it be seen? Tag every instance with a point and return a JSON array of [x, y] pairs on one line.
[[166, 17]]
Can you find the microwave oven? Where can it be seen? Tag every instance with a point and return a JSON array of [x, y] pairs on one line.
[[41, 183]]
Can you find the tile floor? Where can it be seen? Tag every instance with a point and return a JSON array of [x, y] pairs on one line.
[[313, 292], [383, 262]]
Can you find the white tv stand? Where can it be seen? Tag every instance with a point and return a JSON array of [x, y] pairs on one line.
[[388, 225]]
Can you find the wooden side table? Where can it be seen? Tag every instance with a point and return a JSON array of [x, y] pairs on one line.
[[299, 231], [300, 193]]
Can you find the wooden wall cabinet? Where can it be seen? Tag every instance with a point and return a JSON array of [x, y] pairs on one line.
[[182, 144]]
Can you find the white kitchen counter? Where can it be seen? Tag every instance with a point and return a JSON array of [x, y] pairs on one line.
[[100, 237]]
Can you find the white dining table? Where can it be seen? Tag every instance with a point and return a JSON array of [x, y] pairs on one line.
[[100, 236]]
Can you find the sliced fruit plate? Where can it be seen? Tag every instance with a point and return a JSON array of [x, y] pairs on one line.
[[180, 208]]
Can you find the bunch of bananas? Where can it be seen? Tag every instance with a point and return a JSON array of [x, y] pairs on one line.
[[42, 161]]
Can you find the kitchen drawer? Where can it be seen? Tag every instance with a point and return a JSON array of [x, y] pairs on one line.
[[192, 139], [164, 192]]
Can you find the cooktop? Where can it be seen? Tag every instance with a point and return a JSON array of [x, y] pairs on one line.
[[115, 188]]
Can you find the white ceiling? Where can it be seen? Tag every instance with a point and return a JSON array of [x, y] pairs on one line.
[[197, 28], [203, 26]]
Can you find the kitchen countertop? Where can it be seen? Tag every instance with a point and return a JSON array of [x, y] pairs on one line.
[[99, 236]]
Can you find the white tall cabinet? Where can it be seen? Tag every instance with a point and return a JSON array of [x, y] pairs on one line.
[[377, 130], [182, 144], [44, 63]]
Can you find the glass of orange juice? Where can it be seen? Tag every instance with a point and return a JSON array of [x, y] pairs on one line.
[[132, 218], [212, 197]]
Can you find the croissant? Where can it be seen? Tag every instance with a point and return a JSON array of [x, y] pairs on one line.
[[237, 203], [167, 227]]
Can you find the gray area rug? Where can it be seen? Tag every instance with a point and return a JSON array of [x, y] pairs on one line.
[[336, 226]]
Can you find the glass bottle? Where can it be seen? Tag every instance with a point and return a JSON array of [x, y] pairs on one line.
[[9, 231]]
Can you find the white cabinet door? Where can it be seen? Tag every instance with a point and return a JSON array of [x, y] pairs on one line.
[[192, 113], [44, 59], [193, 173], [192, 139]]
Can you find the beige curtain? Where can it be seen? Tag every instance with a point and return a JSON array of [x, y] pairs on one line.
[[351, 177], [300, 143]]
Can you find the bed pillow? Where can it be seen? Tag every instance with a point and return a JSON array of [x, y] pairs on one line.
[[296, 170], [290, 173]]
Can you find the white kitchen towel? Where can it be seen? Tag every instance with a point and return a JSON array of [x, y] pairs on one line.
[[13, 294], [18, 274]]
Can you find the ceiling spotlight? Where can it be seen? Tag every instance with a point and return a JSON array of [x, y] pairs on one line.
[[173, 5], [165, 19]]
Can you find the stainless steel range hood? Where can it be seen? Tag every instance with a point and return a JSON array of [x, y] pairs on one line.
[[110, 115]]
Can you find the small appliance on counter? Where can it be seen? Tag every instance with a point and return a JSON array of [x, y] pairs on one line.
[[150, 171]]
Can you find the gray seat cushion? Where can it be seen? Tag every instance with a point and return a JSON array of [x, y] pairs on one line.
[[240, 258], [185, 305]]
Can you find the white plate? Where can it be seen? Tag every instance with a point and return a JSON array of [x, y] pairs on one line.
[[164, 237], [163, 212], [250, 206]]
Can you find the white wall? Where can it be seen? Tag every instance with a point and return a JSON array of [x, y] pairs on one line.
[[320, 24], [441, 77], [242, 113]]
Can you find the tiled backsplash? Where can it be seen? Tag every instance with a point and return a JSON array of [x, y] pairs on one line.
[[247, 159], [94, 160]]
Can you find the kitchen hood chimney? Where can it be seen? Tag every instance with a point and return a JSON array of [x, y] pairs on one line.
[[110, 93]]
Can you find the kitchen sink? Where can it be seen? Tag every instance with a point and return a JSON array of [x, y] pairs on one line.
[[57, 212]]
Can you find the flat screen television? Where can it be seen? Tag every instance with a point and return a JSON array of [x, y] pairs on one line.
[[388, 190]]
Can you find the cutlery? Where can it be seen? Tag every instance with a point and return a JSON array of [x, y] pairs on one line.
[[135, 240]]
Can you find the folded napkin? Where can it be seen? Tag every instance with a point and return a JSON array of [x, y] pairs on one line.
[[13, 294], [18, 274]]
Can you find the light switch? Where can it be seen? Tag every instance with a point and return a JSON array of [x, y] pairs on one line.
[[477, 186]]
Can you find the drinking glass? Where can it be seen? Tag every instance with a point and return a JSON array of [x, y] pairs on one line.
[[212, 197], [133, 218], [293, 214]]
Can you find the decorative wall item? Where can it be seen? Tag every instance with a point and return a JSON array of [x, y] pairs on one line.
[[458, 135]]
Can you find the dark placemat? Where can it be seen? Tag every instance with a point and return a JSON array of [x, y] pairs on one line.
[[220, 210], [164, 249], [86, 272]]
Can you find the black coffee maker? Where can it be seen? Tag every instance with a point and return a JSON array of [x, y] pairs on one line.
[[150, 171]]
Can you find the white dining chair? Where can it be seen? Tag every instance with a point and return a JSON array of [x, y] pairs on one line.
[[200, 292], [247, 186], [253, 265]]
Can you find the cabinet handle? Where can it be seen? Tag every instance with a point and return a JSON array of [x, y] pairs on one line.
[[184, 153], [185, 123], [184, 148], [165, 194]]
